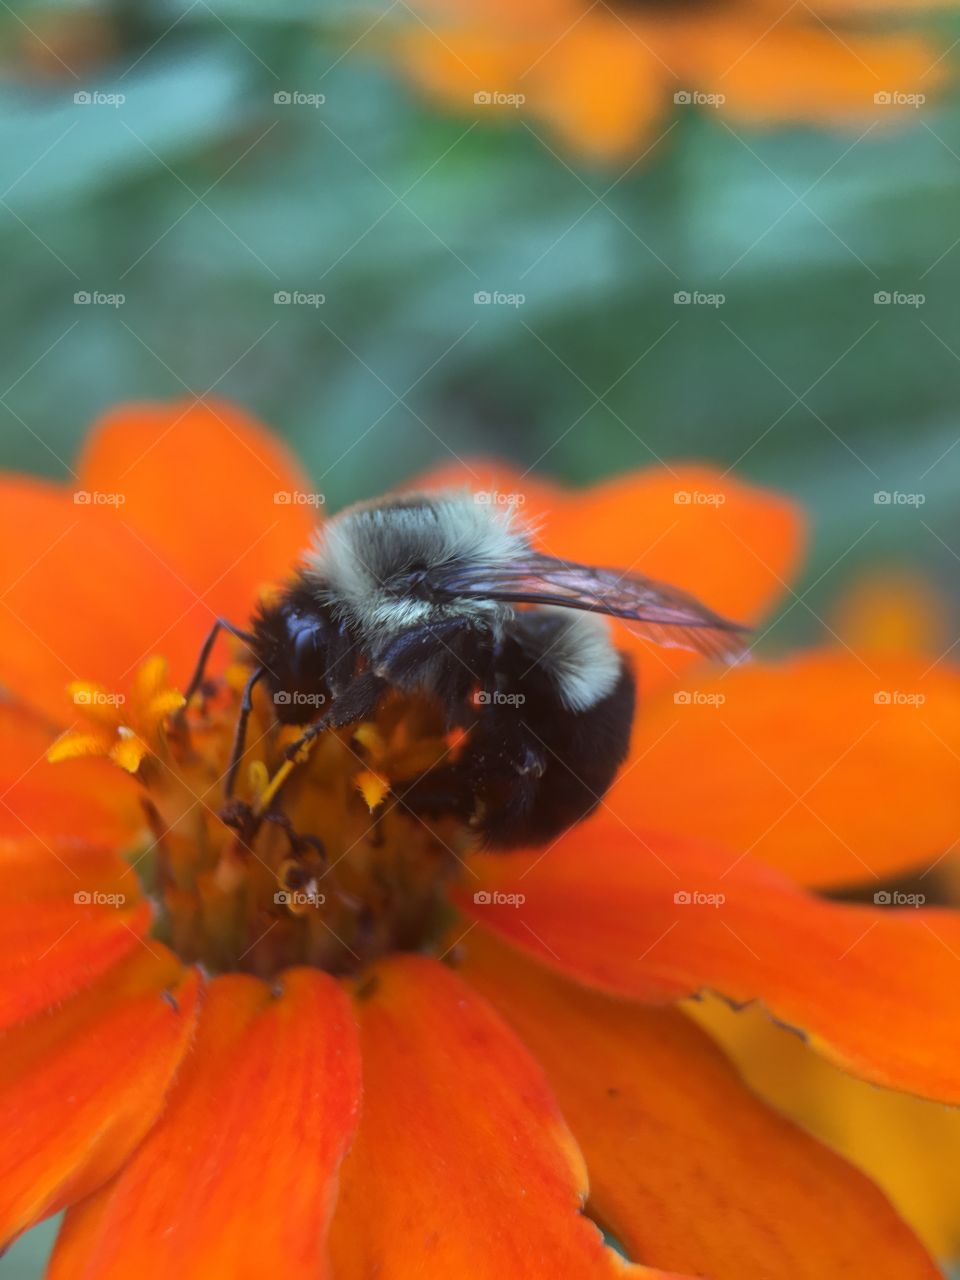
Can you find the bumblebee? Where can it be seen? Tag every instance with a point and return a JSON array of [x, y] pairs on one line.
[[443, 596]]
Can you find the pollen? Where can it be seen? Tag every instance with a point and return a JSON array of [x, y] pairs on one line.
[[312, 861], [374, 788]]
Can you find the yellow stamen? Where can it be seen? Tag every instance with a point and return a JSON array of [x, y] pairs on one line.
[[373, 787], [75, 746]]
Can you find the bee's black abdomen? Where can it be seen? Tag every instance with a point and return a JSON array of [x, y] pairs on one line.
[[534, 767]]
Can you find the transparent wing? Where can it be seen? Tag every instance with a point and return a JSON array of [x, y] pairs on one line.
[[664, 614]]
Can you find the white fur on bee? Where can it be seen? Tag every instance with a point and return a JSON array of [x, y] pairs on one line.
[[358, 553], [580, 659]]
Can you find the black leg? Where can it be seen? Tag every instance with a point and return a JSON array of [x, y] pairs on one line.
[[240, 736], [196, 679], [357, 700]]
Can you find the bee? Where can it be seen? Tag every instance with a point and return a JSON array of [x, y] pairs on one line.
[[445, 596]]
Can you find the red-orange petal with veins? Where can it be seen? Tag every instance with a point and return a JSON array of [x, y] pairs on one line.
[[654, 918], [239, 1176], [80, 1086], [675, 1143], [462, 1165], [68, 913]]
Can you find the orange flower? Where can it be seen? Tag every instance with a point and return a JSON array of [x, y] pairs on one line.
[[603, 75], [228, 1052]]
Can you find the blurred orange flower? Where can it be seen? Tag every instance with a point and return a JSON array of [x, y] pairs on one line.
[[894, 609], [605, 76], [195, 1068]]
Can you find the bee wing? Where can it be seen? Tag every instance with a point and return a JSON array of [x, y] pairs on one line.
[[666, 615]]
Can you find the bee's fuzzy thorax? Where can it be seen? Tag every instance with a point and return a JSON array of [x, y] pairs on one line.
[[361, 550]]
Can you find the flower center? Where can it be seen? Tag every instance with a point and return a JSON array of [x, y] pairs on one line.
[[314, 861]]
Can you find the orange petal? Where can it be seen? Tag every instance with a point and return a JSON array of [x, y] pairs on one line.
[[893, 609], [655, 918], [238, 1178], [81, 598], [86, 800], [111, 1051], [909, 1146], [215, 498], [57, 948], [462, 1165], [674, 1142], [533, 499], [453, 65], [774, 72], [834, 769], [733, 546], [68, 913], [601, 87]]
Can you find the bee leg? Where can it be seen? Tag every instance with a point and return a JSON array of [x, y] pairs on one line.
[[196, 680], [358, 700], [299, 844], [240, 735]]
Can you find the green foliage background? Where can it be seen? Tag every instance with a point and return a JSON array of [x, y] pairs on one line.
[[200, 197]]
